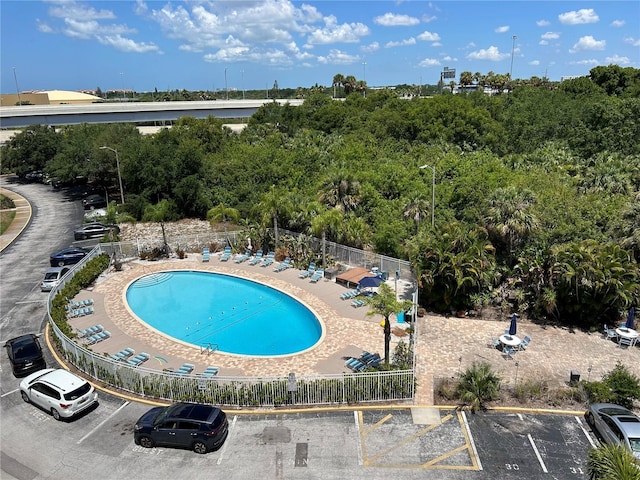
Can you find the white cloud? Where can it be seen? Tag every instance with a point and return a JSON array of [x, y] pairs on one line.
[[394, 20], [338, 57], [426, 19], [492, 53], [588, 43], [44, 27], [429, 62], [126, 44], [617, 23], [618, 60], [577, 17], [449, 58], [334, 33], [550, 36], [543, 23], [429, 37], [372, 47], [503, 29], [534, 63], [633, 41], [401, 43], [591, 61], [74, 10]]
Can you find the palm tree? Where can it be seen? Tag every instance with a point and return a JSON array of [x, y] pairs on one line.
[[466, 78], [417, 209], [163, 211], [385, 303], [478, 385], [341, 191], [349, 84], [222, 213], [328, 221], [338, 81], [275, 202], [612, 462], [509, 218]]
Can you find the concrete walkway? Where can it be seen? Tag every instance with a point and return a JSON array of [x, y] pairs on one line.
[[21, 220]]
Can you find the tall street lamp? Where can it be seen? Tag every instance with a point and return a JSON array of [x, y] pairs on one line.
[[513, 49], [433, 192], [118, 167], [226, 90]]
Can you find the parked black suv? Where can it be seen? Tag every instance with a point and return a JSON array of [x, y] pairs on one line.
[[187, 425], [25, 355]]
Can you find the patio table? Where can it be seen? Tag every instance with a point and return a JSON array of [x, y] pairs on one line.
[[510, 340], [628, 333]]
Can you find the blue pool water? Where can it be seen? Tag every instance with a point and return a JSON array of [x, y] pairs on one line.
[[240, 316]]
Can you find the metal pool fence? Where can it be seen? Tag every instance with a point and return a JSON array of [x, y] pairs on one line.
[[244, 391]]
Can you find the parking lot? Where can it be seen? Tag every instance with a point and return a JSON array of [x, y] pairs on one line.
[[360, 444]]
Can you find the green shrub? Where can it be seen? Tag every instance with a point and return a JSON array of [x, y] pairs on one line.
[[478, 385], [625, 386]]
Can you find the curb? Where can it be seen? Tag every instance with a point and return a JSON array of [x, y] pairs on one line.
[[20, 222]]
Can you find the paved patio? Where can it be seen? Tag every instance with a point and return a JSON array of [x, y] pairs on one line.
[[445, 346]]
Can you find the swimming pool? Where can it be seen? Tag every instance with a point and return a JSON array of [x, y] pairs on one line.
[[240, 316]]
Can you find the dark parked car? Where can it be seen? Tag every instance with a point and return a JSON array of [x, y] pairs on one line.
[[187, 425], [94, 201], [91, 230], [68, 256], [616, 425], [25, 354]]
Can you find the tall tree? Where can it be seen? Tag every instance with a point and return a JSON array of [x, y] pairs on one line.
[[273, 204], [223, 213], [326, 222], [385, 303]]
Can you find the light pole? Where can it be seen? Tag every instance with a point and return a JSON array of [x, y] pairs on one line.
[[513, 49], [364, 78], [225, 84], [118, 167], [433, 192], [243, 84], [15, 77]]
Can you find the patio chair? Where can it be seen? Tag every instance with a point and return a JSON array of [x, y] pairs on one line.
[[206, 254], [210, 372], [139, 359], [310, 271], [355, 365], [257, 259], [284, 265], [609, 333], [226, 255], [494, 343], [525, 342], [509, 352], [123, 354], [626, 342], [269, 259], [185, 369], [243, 257], [317, 276]]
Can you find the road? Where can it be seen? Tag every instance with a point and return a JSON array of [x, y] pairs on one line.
[[379, 443]]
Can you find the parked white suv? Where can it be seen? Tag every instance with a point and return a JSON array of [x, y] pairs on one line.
[[59, 392]]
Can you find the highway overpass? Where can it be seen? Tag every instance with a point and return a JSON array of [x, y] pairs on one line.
[[135, 112]]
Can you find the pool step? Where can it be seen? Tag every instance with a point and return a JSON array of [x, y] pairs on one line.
[[152, 279]]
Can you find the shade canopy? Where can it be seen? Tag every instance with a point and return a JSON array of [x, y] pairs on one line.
[[630, 318], [370, 282], [513, 328]]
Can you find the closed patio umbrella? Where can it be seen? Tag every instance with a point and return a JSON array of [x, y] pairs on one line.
[[630, 318], [371, 282], [513, 328]]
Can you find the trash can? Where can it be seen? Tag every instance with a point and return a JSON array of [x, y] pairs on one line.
[[575, 377]]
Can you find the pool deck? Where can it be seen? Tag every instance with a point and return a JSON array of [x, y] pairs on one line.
[[445, 346]]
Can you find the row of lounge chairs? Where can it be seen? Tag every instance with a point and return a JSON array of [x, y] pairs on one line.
[[87, 332], [80, 312], [98, 337], [350, 294], [80, 303], [366, 360]]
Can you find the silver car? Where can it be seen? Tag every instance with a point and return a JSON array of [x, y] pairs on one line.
[[52, 278], [616, 425], [59, 392]]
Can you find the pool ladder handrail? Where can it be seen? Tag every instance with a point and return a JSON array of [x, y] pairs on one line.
[[209, 348]]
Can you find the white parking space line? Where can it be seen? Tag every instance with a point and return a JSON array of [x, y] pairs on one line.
[[535, 449], [473, 443], [359, 437], [586, 434], [9, 393], [224, 446], [102, 423]]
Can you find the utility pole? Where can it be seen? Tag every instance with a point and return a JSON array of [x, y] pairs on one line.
[[17, 89], [225, 84]]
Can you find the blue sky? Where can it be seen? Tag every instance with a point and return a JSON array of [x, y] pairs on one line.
[[194, 45]]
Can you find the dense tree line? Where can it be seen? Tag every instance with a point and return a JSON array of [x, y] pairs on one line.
[[537, 203]]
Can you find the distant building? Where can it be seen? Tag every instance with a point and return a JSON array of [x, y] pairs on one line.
[[48, 97], [570, 77]]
